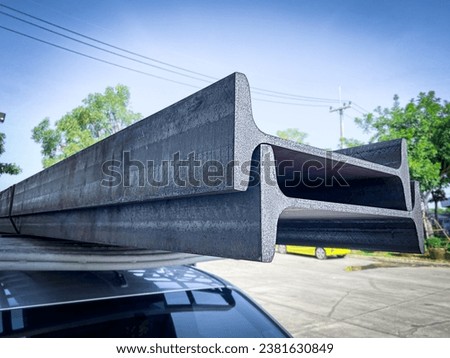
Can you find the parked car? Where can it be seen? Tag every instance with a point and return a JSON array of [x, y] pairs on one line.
[[178, 301], [320, 252]]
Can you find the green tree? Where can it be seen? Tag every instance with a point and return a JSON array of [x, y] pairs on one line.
[[7, 168], [425, 123], [293, 134], [100, 115]]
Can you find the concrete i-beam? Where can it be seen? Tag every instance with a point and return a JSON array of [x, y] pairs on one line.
[[200, 177]]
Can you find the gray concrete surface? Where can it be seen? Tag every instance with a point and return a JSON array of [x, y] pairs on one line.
[[350, 297]]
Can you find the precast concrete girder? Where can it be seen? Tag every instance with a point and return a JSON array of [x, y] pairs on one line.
[[200, 177]]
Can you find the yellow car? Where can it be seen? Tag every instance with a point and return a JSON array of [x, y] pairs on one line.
[[319, 252]]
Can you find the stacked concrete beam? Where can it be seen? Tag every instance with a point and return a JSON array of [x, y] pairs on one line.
[[200, 177]]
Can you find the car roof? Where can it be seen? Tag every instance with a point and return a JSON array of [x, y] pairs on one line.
[[30, 253], [21, 289]]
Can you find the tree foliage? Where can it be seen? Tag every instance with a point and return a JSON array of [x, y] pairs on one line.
[[100, 115], [293, 134], [7, 168], [425, 123]]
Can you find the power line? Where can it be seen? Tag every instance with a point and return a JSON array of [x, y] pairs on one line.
[[365, 111], [102, 49], [257, 90], [104, 43], [292, 97], [290, 103], [143, 72], [97, 59], [139, 71], [298, 97], [360, 112], [282, 95]]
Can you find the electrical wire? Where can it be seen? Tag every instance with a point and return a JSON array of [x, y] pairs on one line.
[[104, 43], [361, 108], [97, 59], [357, 110], [348, 116], [255, 90], [291, 103], [102, 49], [294, 96]]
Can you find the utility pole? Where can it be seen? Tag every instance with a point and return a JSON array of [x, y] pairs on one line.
[[342, 107]]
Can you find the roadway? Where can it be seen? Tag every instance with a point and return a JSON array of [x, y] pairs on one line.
[[350, 297]]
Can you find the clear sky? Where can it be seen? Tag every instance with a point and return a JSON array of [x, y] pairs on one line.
[[372, 49]]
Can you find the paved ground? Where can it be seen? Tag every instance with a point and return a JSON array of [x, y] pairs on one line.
[[350, 297]]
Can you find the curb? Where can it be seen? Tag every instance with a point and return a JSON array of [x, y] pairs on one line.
[[411, 261]]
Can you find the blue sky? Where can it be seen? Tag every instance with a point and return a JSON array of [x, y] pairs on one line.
[[372, 49]]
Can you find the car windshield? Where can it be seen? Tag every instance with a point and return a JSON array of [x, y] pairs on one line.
[[218, 312]]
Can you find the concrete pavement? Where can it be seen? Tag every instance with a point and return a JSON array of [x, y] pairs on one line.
[[351, 297]]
